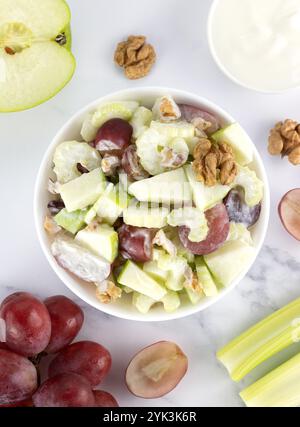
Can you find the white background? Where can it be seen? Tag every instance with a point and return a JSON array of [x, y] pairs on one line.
[[177, 29]]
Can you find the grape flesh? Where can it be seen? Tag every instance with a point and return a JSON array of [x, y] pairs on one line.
[[191, 113], [65, 390], [28, 324], [156, 370], [86, 358], [114, 137], [289, 212], [218, 224], [239, 211], [66, 321], [105, 400], [132, 166], [136, 243], [18, 378]]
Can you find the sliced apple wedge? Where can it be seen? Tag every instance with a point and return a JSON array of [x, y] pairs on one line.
[[35, 57]]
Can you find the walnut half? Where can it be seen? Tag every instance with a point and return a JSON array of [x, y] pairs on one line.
[[284, 139], [135, 56]]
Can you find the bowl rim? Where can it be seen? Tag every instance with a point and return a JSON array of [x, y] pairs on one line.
[[64, 276], [223, 68]]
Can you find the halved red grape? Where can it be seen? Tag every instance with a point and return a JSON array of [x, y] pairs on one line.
[[113, 137], [289, 212], [156, 370], [104, 399], [66, 321], [18, 378], [190, 113], [86, 358], [218, 224], [64, 390], [136, 243], [3, 346], [238, 210], [131, 164], [28, 324]]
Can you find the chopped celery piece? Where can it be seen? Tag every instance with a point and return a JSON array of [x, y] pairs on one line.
[[205, 278], [171, 301], [67, 156], [192, 218], [279, 388], [111, 110], [140, 121], [70, 221], [252, 185], [194, 296], [262, 341], [142, 302], [239, 231], [174, 130], [144, 215]]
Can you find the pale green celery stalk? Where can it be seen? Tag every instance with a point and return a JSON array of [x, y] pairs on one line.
[[262, 341], [279, 388]]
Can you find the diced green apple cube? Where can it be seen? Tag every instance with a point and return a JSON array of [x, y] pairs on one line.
[[235, 136], [154, 271], [135, 278], [102, 240], [205, 197], [174, 130], [70, 221], [84, 190], [229, 261], [169, 187]]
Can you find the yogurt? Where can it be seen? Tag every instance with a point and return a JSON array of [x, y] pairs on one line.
[[257, 42]]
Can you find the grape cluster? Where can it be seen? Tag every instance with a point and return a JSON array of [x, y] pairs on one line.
[[35, 329]]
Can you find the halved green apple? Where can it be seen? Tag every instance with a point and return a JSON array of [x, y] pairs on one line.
[[35, 57]]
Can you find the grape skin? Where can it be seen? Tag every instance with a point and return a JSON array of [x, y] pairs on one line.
[[105, 400], [66, 321], [28, 324], [114, 137], [190, 113], [18, 378], [64, 390], [86, 358], [136, 243], [218, 224], [239, 211]]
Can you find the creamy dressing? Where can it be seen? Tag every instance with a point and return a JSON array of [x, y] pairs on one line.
[[258, 42]]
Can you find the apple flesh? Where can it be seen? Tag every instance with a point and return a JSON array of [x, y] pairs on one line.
[[35, 57]]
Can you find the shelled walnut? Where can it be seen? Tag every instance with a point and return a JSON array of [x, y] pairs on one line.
[[284, 139], [135, 56], [214, 163]]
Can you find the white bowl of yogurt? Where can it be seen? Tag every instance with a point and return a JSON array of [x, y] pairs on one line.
[[256, 43]]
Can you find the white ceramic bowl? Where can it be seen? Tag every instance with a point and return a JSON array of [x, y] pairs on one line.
[[70, 131]]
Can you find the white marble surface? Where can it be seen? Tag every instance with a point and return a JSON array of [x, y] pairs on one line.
[[177, 28]]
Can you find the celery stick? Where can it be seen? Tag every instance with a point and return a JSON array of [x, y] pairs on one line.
[[279, 388], [262, 341]]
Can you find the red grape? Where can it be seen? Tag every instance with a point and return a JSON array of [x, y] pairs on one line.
[[28, 324], [218, 224], [131, 164], [64, 390], [156, 370], [105, 400], [190, 113], [136, 243], [66, 321], [3, 346], [23, 404], [86, 358], [113, 137], [18, 378], [238, 210], [289, 212]]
